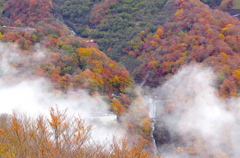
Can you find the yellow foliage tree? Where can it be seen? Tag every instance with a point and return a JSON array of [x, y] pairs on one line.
[[221, 36], [226, 27], [34, 38], [236, 73], [223, 55], [117, 107], [178, 12], [84, 51], [160, 32]]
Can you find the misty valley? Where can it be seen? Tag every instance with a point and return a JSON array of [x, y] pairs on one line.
[[120, 78]]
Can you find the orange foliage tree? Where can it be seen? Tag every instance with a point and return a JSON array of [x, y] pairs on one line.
[[59, 136]]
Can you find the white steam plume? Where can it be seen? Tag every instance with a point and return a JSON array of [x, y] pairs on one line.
[[22, 92], [199, 123]]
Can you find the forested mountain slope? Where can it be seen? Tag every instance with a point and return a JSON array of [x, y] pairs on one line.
[[115, 22], [153, 39], [112, 22], [69, 63], [69, 54], [195, 33]]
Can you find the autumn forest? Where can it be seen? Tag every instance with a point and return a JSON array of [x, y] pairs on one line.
[[166, 71]]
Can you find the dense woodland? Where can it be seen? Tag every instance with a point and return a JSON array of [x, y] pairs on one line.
[[195, 33], [115, 22], [143, 42], [70, 63]]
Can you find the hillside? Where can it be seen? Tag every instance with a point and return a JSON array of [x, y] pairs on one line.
[[191, 36], [196, 34], [68, 63], [112, 23], [137, 42], [115, 22], [69, 56]]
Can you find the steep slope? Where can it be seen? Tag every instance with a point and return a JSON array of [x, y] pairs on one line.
[[111, 22], [27, 12], [115, 22], [43, 46], [69, 56], [195, 33], [188, 102]]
